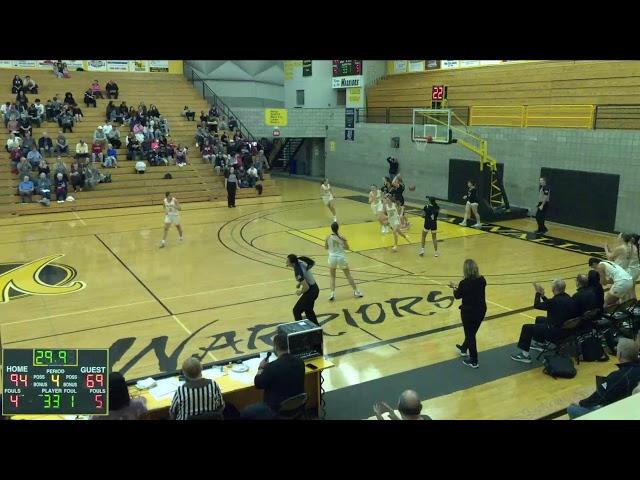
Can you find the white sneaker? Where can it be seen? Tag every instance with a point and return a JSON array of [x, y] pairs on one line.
[[394, 249], [435, 254], [477, 225], [421, 253], [162, 244], [358, 294], [180, 239], [335, 219], [382, 229], [332, 297]]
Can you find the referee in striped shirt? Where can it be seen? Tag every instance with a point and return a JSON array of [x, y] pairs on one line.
[[198, 395]]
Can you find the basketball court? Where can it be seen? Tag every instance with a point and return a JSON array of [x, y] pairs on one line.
[[102, 282]]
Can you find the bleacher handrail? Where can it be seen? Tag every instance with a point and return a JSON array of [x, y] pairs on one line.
[[218, 102]]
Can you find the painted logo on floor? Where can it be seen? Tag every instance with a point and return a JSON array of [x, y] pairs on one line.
[[38, 277]]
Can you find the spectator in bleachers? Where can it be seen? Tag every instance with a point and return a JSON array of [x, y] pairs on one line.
[[13, 142], [96, 90], [61, 188], [14, 158], [90, 98], [16, 84], [62, 145], [60, 167], [27, 143], [106, 129], [50, 113], [222, 125], [24, 125], [252, 176], [92, 176], [140, 166], [13, 126], [45, 145], [121, 405], [69, 100], [198, 395], [34, 117], [43, 187], [43, 167], [40, 109], [22, 100], [77, 113], [99, 136], [409, 407], [233, 124], [30, 86], [212, 124], [189, 114], [65, 120], [114, 137], [559, 309], [82, 150], [134, 148], [181, 156], [23, 167], [111, 159], [142, 109], [617, 385], [34, 157], [200, 136], [153, 111], [207, 152], [203, 118], [4, 109], [112, 89], [110, 112], [25, 189], [120, 114], [164, 125], [97, 154], [76, 176]]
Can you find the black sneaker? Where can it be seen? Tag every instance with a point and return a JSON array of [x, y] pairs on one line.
[[521, 358], [461, 352], [469, 363]]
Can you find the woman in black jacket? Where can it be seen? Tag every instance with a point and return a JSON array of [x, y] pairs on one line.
[[16, 85], [472, 311]]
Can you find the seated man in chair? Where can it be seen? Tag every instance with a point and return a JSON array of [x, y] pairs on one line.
[[281, 379], [559, 309]]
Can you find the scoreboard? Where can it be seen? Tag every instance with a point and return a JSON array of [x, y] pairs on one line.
[[55, 381], [347, 68]]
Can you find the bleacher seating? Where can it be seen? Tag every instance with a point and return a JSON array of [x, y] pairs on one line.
[[170, 93], [534, 83]]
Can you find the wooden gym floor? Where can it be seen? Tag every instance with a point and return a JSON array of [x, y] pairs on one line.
[[222, 291]]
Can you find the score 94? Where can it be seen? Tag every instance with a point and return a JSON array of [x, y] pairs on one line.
[[94, 380], [19, 380]]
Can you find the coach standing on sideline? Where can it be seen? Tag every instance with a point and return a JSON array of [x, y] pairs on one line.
[[473, 309], [543, 205]]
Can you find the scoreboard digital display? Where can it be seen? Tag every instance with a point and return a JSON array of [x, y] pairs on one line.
[[438, 93], [347, 68], [55, 381]]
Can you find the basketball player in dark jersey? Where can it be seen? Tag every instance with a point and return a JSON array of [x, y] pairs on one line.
[[472, 204], [431, 211]]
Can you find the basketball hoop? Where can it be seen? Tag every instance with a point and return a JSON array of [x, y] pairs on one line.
[[421, 146]]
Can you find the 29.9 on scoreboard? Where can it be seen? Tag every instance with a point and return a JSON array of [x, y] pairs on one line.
[[55, 381]]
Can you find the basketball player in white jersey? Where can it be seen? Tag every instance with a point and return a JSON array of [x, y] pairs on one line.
[[375, 200], [611, 273], [394, 222], [172, 216], [336, 244], [327, 198]]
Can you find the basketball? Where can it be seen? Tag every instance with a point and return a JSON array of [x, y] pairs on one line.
[[412, 188], [429, 139]]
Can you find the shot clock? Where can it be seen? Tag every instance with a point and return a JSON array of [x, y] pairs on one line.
[[55, 381]]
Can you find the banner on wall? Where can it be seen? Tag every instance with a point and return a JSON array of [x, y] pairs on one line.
[[432, 64], [450, 63], [6, 63], [276, 117], [288, 70], [416, 65], [159, 66], [469, 63], [117, 65], [490, 62], [400, 66], [138, 66], [24, 63], [74, 64], [354, 96], [347, 82], [96, 65]]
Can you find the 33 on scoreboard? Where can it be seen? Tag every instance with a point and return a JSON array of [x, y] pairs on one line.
[[55, 381]]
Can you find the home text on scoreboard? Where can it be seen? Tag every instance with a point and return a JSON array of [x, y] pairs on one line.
[[55, 381]]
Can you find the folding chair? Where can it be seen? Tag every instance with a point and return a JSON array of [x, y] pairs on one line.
[[293, 408], [571, 331]]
